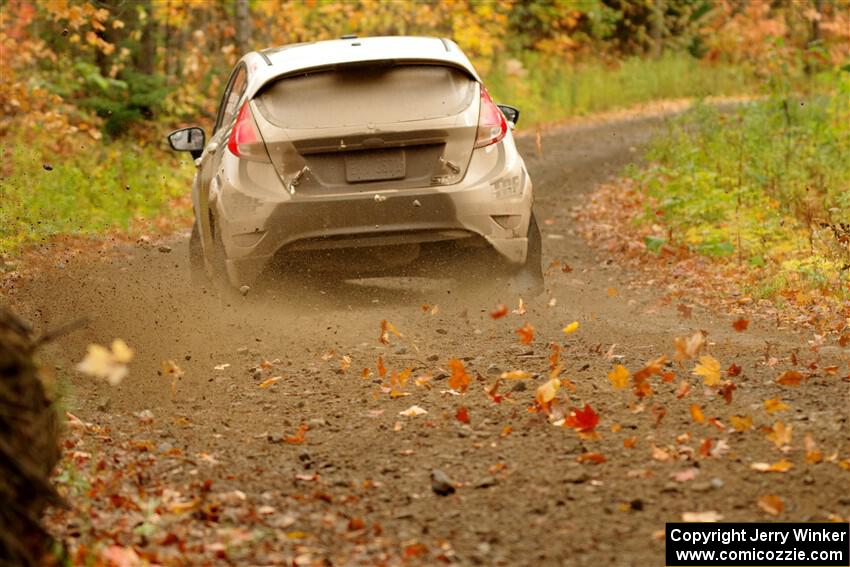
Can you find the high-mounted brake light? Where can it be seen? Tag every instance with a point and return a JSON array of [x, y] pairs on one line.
[[492, 125], [245, 141]]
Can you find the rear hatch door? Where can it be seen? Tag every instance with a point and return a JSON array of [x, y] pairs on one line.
[[369, 126]]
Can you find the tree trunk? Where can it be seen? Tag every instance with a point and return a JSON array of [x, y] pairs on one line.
[[28, 447], [243, 26]]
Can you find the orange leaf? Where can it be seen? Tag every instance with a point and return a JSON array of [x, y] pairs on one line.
[[555, 357], [379, 365], [771, 504], [696, 414], [629, 442], [741, 423], [583, 421], [774, 405], [506, 430], [459, 379], [299, 437], [594, 458], [780, 434], [790, 378], [266, 383], [619, 376], [462, 414], [526, 334], [740, 324], [500, 311], [813, 454], [683, 390], [705, 447], [780, 466]]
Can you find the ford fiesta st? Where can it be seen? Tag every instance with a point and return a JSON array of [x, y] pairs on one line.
[[379, 149]]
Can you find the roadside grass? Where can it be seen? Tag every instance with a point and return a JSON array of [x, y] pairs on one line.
[[546, 90], [93, 188], [766, 187]]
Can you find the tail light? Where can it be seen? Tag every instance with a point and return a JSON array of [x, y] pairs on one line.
[[492, 125], [245, 141]]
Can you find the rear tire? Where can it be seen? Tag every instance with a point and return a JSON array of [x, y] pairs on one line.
[[197, 270], [529, 277]]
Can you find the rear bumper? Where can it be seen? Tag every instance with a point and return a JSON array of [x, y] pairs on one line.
[[256, 226]]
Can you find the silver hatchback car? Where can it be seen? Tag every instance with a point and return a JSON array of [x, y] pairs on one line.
[[382, 148]]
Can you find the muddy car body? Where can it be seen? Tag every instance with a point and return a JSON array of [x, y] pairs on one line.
[[382, 146]]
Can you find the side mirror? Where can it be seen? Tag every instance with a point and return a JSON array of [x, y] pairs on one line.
[[188, 140], [511, 113]]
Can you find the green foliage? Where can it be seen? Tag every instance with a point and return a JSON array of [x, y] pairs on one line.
[[767, 182], [547, 90], [100, 187]]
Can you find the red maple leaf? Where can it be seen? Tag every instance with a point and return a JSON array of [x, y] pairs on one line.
[[462, 414], [584, 420]]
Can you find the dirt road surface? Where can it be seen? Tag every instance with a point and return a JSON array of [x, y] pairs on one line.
[[357, 490]]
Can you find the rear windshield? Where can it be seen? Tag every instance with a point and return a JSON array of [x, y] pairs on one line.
[[367, 95]]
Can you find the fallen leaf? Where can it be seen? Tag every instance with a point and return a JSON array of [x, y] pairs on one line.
[[459, 379], [741, 423], [274, 380], [705, 447], [462, 414], [774, 405], [619, 376], [526, 334], [740, 324], [629, 442], [555, 357], [780, 434], [386, 329], [688, 348], [683, 390], [515, 375], [583, 421], [709, 516], [771, 504], [221, 366], [500, 311], [299, 437], [733, 370], [506, 430], [813, 454], [345, 362], [520, 310], [546, 393], [612, 292], [790, 378], [413, 411], [170, 368], [696, 414], [660, 454], [379, 366], [686, 475], [571, 328], [779, 466], [109, 364], [709, 369], [594, 458], [726, 390]]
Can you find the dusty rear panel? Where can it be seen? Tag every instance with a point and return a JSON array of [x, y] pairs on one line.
[[369, 127]]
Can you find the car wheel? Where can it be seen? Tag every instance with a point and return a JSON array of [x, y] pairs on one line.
[[197, 270], [529, 277]]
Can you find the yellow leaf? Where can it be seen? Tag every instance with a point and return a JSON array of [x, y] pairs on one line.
[[547, 392], [709, 369], [774, 405], [619, 376], [741, 423], [780, 466], [571, 328], [515, 375], [274, 380], [780, 434]]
